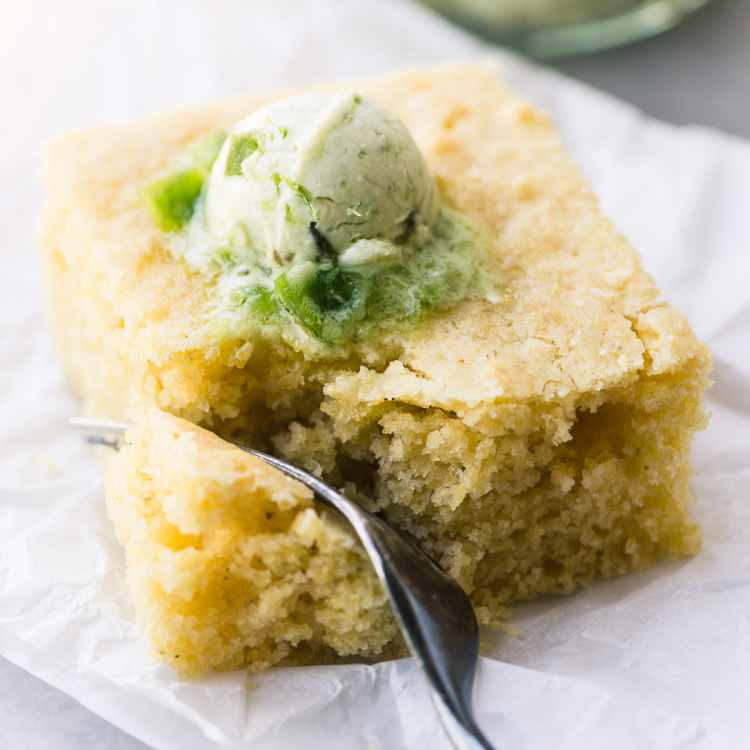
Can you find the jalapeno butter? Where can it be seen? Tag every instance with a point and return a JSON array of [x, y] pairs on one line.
[[319, 210]]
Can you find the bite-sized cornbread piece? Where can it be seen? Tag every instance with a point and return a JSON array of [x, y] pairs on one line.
[[529, 443], [229, 563]]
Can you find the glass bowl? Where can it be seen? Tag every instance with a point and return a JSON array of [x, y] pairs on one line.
[[555, 28]]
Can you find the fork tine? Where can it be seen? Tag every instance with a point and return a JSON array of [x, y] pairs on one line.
[[106, 432], [95, 426], [108, 442]]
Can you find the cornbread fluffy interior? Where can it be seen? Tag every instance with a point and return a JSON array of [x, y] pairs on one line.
[[229, 563], [528, 444]]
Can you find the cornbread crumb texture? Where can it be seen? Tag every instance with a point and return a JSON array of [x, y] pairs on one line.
[[229, 563], [528, 444]]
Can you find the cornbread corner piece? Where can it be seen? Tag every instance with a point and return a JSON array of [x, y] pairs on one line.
[[529, 444], [229, 564]]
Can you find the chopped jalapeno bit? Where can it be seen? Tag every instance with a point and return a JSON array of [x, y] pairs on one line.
[[240, 147], [302, 192], [323, 245], [205, 150], [171, 199], [328, 303]]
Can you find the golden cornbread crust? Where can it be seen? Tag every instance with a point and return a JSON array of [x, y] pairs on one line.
[[529, 445]]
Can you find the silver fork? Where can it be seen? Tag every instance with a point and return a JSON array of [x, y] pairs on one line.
[[433, 611]]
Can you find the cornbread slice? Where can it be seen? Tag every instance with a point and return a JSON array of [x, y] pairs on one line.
[[229, 563], [528, 444]]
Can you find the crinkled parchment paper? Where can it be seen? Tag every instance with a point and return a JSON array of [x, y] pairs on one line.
[[654, 660]]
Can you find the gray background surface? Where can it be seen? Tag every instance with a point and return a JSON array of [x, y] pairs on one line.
[[698, 73]]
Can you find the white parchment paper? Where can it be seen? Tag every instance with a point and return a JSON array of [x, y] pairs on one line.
[[654, 660]]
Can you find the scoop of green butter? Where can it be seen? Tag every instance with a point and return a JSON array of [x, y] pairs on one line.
[[310, 175], [319, 209]]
